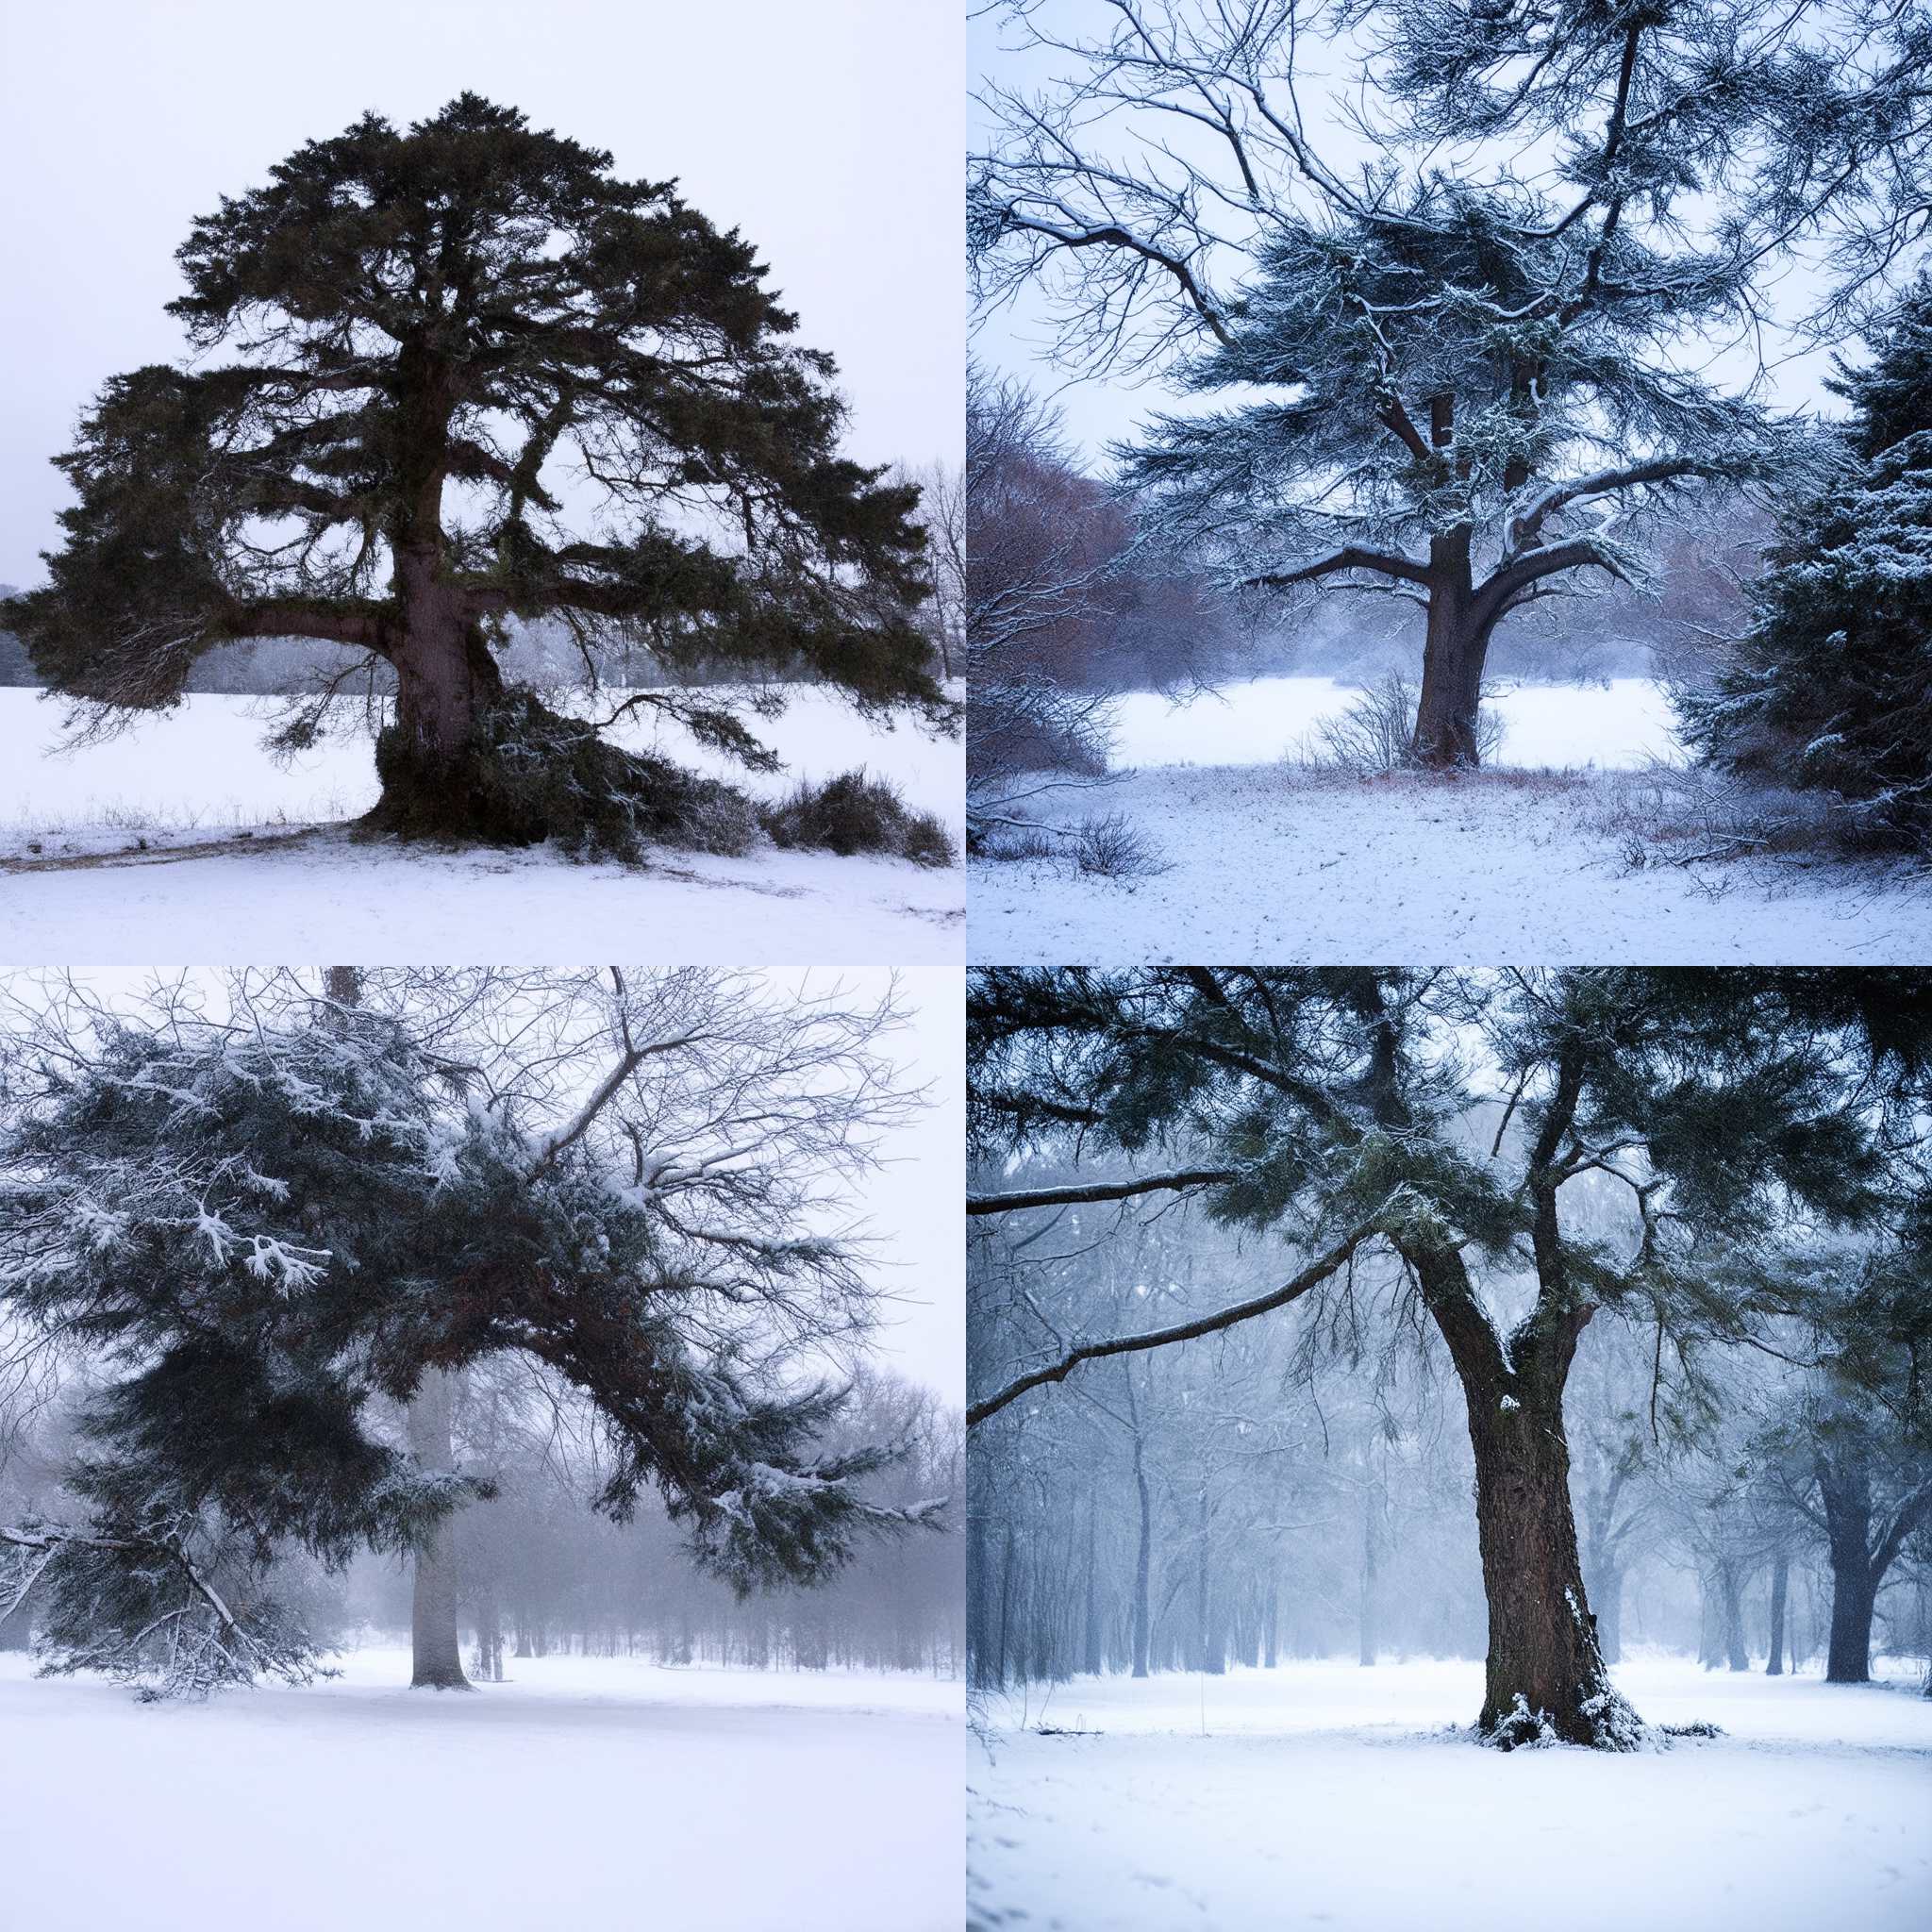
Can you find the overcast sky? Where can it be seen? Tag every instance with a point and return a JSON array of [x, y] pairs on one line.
[[829, 133]]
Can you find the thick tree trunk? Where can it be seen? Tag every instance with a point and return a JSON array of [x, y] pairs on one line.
[[1844, 1488], [1854, 1598], [1780, 1589], [436, 1656], [1455, 649], [1545, 1665]]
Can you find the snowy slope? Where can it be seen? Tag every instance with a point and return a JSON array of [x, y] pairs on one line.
[[1324, 1794], [198, 776], [1271, 862], [587, 1793]]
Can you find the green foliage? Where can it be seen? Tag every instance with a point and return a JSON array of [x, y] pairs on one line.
[[473, 305], [527, 774], [854, 813], [1831, 687]]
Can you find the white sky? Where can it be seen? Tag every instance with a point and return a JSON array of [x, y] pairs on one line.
[[829, 133]]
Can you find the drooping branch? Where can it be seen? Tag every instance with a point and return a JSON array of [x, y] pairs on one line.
[[1351, 556], [1311, 1276], [1098, 1190]]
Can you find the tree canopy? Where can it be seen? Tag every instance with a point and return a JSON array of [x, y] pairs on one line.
[[458, 375]]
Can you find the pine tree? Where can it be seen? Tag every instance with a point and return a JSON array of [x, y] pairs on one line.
[[1353, 1110], [1831, 687], [424, 327], [1447, 369], [280, 1226]]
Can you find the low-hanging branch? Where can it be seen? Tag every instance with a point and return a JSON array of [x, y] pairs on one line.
[[1083, 1192], [1313, 1276]]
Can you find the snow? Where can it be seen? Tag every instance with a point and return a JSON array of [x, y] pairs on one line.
[[170, 842], [1278, 863], [588, 1792], [1625, 723], [1328, 1793]]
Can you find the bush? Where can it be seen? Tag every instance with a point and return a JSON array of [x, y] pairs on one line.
[[1373, 731], [1107, 846], [527, 774], [855, 814]]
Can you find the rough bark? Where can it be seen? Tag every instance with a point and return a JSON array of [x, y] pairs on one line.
[[437, 1658], [1456, 646]]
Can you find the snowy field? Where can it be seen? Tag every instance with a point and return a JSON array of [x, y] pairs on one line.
[[587, 1793], [1560, 726], [170, 842], [1552, 854], [1326, 1794]]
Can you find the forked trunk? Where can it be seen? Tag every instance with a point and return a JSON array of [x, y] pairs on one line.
[[438, 1664], [1546, 1670]]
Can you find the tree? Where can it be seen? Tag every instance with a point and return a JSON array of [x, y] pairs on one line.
[[1830, 687], [425, 326], [1449, 373], [1344, 1108], [280, 1218]]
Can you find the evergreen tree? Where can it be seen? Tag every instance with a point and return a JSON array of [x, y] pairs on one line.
[[422, 327], [275, 1223], [1450, 368], [1831, 687], [1430, 1123]]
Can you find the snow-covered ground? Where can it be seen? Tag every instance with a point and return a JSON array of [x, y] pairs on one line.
[[1325, 1794], [585, 1792], [130, 852], [1625, 722], [1275, 862]]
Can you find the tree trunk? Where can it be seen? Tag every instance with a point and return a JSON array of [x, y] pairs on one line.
[[1543, 1659], [1780, 1589], [1271, 1621], [1607, 1593], [1455, 648], [1089, 1629], [1204, 1645], [1143, 1557], [437, 1656], [16, 1628], [1732, 1591], [1844, 1488], [1366, 1602], [1848, 1658]]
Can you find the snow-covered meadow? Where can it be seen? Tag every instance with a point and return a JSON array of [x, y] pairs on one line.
[[1325, 1794], [167, 841], [588, 1792], [1567, 848]]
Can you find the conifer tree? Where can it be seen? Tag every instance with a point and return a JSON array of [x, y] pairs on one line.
[[1418, 1129], [278, 1223], [403, 344], [1428, 269], [1831, 687]]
